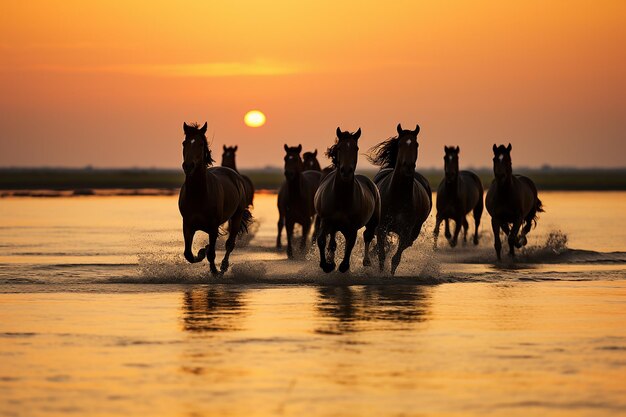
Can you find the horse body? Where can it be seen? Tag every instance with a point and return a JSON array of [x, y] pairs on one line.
[[459, 193], [512, 202], [405, 194], [295, 199], [228, 160], [344, 203], [209, 198]]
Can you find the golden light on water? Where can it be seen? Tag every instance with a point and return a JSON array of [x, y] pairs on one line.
[[254, 118]]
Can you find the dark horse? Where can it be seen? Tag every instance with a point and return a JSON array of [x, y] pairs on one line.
[[228, 160], [405, 194], [511, 201], [345, 202], [459, 193], [295, 198], [209, 198]]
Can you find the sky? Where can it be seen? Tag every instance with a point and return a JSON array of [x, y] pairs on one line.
[[110, 83]]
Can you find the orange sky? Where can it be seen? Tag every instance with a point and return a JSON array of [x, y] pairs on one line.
[[109, 83]]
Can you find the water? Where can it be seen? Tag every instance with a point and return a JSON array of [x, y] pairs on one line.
[[100, 315]]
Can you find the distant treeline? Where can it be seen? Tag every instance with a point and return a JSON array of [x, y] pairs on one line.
[[271, 178]]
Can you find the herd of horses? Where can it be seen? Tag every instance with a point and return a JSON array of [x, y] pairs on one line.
[[337, 200]]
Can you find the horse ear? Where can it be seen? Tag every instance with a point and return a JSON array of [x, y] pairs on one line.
[[235, 148], [299, 148], [399, 129], [338, 133], [445, 148], [315, 152], [357, 134], [458, 150], [204, 127], [286, 148], [224, 147], [508, 148], [495, 148], [185, 128], [417, 130]]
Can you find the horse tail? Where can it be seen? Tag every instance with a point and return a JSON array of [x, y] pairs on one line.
[[246, 221]]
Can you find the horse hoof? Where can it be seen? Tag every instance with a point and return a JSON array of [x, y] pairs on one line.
[[344, 267], [327, 267], [224, 267], [452, 243], [475, 241], [522, 241], [367, 262]]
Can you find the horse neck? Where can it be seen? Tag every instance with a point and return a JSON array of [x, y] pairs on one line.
[[453, 184], [505, 183], [295, 184], [343, 188], [196, 183], [401, 182], [231, 164]]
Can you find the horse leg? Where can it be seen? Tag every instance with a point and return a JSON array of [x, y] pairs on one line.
[[381, 236], [350, 241], [316, 229], [281, 222], [465, 227], [478, 212], [522, 241], [457, 228], [497, 244], [447, 231], [436, 231], [188, 234], [513, 236], [332, 247], [289, 228], [234, 224], [368, 235], [211, 250], [404, 243], [306, 228], [321, 246]]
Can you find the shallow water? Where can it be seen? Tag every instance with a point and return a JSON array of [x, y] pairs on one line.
[[100, 315]]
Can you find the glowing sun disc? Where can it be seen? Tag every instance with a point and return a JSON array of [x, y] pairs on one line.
[[254, 118]]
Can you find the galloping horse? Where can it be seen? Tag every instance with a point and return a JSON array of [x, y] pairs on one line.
[[511, 201], [459, 193], [309, 159], [405, 194], [228, 160], [295, 198], [209, 198], [345, 202]]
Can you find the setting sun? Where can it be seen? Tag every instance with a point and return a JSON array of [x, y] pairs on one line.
[[254, 118]]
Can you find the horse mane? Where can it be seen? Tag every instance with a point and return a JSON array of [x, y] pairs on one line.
[[208, 157], [385, 153], [331, 153]]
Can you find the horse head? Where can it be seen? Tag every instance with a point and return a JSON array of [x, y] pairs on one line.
[[345, 152], [451, 162], [407, 147], [310, 161], [196, 151], [502, 166], [228, 156], [293, 161]]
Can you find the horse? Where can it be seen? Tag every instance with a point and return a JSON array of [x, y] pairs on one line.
[[405, 194], [345, 202], [210, 197], [511, 201], [228, 160], [295, 198], [459, 193]]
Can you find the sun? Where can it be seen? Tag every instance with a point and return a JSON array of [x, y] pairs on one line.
[[254, 118]]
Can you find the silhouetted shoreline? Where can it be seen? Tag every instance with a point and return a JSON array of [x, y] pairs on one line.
[[50, 182]]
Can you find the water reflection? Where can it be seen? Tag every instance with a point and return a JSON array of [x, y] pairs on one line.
[[353, 309], [213, 309]]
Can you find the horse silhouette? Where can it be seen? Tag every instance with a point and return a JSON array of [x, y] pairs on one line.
[[405, 194], [210, 197], [459, 193], [345, 202], [295, 198], [511, 201], [309, 159], [228, 160]]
